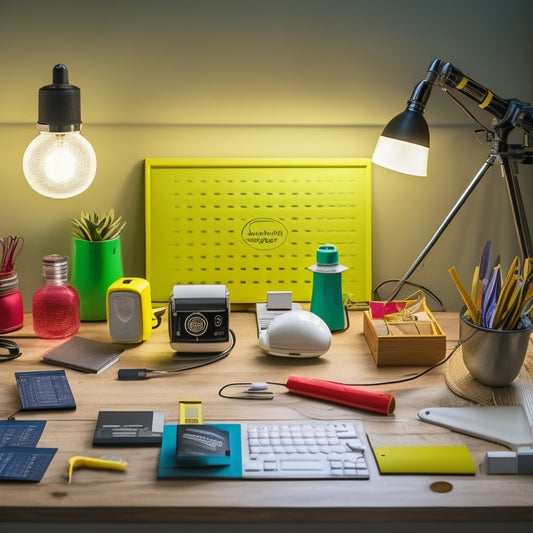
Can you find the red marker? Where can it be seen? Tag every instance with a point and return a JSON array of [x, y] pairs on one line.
[[377, 402]]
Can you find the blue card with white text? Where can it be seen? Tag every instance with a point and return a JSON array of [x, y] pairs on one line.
[[21, 432], [19, 463]]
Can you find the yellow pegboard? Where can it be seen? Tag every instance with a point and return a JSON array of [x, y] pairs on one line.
[[255, 224]]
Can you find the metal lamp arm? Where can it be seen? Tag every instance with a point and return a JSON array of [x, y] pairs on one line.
[[510, 113]]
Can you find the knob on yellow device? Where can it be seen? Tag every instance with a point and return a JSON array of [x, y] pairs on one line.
[[130, 315]]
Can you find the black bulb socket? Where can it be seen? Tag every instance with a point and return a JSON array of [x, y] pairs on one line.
[[59, 103]]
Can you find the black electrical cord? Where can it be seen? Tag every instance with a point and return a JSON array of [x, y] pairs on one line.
[[142, 373], [255, 394], [409, 378], [420, 374], [463, 108], [411, 284], [13, 350]]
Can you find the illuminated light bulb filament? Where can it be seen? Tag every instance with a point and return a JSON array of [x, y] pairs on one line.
[[59, 165]]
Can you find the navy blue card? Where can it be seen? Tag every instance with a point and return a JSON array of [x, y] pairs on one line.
[[44, 389], [19, 463], [21, 432]]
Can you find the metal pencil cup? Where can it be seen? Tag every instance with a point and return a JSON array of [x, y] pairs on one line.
[[493, 356]]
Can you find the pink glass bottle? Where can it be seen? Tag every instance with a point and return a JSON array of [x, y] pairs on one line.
[[55, 305]]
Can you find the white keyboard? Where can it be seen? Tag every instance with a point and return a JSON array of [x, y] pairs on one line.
[[304, 450], [264, 316]]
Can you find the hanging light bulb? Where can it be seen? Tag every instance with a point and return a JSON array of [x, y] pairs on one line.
[[59, 162]]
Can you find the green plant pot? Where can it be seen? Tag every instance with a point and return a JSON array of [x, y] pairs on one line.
[[95, 265]]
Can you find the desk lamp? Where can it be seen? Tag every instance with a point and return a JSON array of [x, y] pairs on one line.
[[59, 162], [404, 145]]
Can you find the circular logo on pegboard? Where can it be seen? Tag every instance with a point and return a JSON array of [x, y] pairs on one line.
[[264, 233]]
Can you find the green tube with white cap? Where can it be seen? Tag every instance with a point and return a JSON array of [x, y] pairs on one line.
[[326, 299]]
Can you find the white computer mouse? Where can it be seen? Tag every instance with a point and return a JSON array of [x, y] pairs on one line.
[[296, 333]]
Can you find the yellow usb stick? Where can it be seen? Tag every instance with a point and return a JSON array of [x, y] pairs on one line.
[[190, 412]]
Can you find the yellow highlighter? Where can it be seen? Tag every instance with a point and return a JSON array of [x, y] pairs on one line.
[[113, 462], [471, 306], [474, 293]]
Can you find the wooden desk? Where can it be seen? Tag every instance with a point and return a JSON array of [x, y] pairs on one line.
[[138, 496]]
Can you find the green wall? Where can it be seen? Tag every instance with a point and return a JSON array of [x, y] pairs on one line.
[[250, 78]]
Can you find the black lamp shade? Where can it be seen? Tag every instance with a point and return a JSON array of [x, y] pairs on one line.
[[409, 126]]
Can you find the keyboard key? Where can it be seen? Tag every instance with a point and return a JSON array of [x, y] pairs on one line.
[[301, 465]]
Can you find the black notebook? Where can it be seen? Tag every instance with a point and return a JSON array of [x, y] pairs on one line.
[[134, 428], [83, 354]]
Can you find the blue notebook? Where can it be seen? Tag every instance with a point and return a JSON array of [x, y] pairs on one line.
[[168, 466]]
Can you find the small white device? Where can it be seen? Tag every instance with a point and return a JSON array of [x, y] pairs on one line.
[[198, 319], [296, 333], [130, 315]]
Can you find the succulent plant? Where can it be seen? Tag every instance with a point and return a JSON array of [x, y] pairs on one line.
[[93, 227]]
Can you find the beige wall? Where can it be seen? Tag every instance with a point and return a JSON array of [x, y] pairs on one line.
[[230, 78]]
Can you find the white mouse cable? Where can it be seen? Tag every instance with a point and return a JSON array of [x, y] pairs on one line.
[[255, 395], [256, 390]]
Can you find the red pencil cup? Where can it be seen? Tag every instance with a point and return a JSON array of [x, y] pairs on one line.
[[11, 305]]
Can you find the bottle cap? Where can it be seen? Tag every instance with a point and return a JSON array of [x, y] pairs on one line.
[[327, 254], [327, 260], [55, 268]]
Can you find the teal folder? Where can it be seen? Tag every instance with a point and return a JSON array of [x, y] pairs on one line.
[[168, 467]]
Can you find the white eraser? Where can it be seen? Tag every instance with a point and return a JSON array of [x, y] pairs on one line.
[[279, 300], [500, 463]]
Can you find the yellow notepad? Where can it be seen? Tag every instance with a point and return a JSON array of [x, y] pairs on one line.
[[424, 460]]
